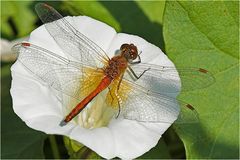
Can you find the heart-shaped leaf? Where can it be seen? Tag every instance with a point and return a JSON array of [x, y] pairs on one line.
[[205, 34]]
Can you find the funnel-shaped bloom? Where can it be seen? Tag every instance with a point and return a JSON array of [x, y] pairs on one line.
[[41, 109]]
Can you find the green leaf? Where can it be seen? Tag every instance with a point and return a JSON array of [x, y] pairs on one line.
[[205, 34], [160, 151], [153, 10], [17, 16], [17, 140]]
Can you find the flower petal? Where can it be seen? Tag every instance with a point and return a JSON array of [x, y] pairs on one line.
[[134, 138], [33, 102], [99, 32], [99, 140]]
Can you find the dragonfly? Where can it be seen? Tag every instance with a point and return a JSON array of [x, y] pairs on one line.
[[137, 91]]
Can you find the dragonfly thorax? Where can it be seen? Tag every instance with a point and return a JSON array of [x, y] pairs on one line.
[[116, 66]]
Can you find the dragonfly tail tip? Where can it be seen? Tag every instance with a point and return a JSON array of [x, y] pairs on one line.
[[63, 123]]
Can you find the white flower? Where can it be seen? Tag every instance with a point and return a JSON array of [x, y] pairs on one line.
[[40, 109]]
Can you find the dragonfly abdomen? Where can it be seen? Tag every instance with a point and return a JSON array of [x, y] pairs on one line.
[[106, 81]]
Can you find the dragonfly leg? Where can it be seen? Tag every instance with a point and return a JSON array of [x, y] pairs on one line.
[[119, 109], [135, 75], [137, 62], [118, 98]]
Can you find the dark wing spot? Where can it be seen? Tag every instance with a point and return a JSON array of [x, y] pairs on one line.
[[202, 70], [190, 107]]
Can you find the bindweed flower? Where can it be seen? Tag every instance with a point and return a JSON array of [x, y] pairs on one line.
[[41, 107]]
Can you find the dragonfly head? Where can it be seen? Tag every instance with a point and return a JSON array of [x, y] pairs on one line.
[[129, 51]]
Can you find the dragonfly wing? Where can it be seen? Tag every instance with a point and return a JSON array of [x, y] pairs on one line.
[[165, 79], [70, 40], [69, 77], [138, 103], [146, 107]]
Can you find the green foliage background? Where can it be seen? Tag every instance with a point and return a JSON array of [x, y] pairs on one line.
[[193, 34]]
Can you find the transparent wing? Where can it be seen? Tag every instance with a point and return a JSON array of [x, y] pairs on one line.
[[165, 79], [70, 40], [71, 78], [147, 106]]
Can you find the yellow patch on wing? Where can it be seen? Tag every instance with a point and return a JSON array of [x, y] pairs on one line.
[[90, 81]]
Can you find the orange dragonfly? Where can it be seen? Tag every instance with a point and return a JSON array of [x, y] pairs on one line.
[[138, 91]]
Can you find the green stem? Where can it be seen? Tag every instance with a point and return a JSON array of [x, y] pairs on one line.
[[54, 147]]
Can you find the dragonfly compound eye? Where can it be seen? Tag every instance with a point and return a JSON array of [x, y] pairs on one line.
[[129, 51], [124, 46], [134, 52]]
